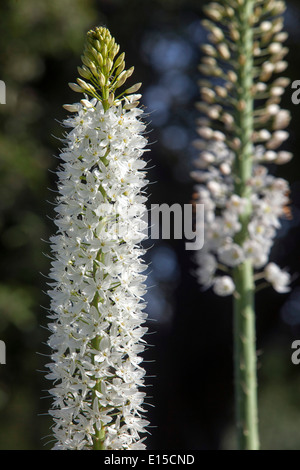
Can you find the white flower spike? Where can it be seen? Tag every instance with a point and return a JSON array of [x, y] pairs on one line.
[[263, 197], [96, 311], [242, 131]]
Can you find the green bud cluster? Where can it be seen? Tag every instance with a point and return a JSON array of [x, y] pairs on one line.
[[103, 70]]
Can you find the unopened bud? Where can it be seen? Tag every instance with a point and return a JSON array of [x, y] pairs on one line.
[[276, 91], [205, 132], [275, 47], [104, 50], [280, 66], [94, 69], [279, 8], [219, 136], [84, 72], [282, 119], [132, 105], [281, 135], [120, 68], [207, 157], [86, 103], [114, 51], [264, 134], [102, 79], [208, 95], [133, 88], [213, 112], [71, 107], [234, 34], [281, 37], [277, 139], [225, 168], [121, 79], [270, 156], [266, 26], [282, 81], [223, 51], [236, 143], [267, 70], [260, 87], [86, 61], [75, 87], [109, 65], [283, 157], [209, 50], [111, 99], [232, 76], [221, 91], [83, 84], [213, 11], [100, 59], [272, 109], [120, 59], [228, 120], [217, 34]]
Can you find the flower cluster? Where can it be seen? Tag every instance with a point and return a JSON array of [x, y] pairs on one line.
[[241, 222], [96, 311]]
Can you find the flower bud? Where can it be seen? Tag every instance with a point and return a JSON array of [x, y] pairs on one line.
[[213, 11], [70, 107], [120, 59], [283, 157], [133, 88], [84, 72], [75, 87]]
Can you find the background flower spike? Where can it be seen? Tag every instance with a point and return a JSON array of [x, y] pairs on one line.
[[241, 133]]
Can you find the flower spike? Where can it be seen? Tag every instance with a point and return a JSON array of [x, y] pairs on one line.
[[241, 131], [96, 311]]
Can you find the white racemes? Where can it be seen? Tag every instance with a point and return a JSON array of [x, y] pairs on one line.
[[242, 129], [96, 311], [222, 211]]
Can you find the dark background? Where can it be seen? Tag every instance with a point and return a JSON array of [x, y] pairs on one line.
[[190, 332]]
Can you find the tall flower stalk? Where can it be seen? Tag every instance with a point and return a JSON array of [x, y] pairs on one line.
[[96, 311], [241, 133]]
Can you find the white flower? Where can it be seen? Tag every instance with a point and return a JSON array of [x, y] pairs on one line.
[[236, 204], [257, 252], [231, 254], [207, 269], [223, 286], [279, 279], [97, 288], [231, 222], [223, 209]]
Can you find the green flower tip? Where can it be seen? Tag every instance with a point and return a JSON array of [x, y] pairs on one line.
[[103, 70]]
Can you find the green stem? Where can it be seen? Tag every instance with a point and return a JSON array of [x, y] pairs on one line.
[[99, 436], [244, 312], [245, 359]]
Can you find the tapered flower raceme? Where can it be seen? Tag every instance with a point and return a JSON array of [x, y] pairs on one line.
[[242, 131], [264, 197], [97, 309]]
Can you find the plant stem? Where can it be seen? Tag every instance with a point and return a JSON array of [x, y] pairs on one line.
[[99, 436], [245, 359], [244, 313]]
